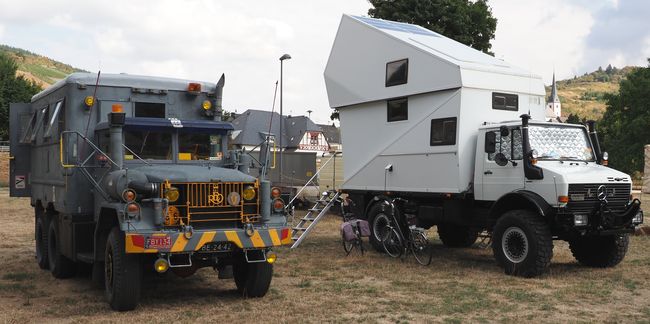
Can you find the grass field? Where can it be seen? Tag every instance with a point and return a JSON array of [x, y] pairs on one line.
[[317, 283]]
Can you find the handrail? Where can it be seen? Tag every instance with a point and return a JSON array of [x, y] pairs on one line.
[[311, 179], [89, 142]]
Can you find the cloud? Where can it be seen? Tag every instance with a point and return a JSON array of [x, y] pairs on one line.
[[2, 31]]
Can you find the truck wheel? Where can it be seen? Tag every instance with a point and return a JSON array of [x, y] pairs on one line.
[[522, 243], [60, 266], [252, 279], [40, 233], [379, 222], [122, 274], [600, 251], [456, 236]]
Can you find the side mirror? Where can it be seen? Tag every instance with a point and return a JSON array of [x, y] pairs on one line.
[[501, 159], [504, 130], [490, 142]]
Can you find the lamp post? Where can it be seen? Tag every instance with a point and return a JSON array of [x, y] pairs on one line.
[[282, 58]]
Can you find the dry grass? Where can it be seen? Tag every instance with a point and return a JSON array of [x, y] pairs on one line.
[[317, 283]]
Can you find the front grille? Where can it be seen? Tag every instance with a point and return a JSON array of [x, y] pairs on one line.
[[583, 198], [202, 204]]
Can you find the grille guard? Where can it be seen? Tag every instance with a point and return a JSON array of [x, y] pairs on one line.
[[611, 219]]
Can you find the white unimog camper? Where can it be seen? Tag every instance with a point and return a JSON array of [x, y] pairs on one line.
[[445, 129]]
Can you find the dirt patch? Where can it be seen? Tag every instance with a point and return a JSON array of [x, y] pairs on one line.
[[317, 283], [4, 169]]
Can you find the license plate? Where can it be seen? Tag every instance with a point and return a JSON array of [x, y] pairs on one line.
[[158, 242], [216, 247]]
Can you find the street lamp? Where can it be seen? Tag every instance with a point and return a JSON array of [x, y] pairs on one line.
[[282, 58]]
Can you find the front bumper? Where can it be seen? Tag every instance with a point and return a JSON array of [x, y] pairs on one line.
[[164, 242], [602, 220]]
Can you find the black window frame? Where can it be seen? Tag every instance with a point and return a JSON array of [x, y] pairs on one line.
[[391, 118], [390, 83], [147, 107], [446, 141], [507, 101]]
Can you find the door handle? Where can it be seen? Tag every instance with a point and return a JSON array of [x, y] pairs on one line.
[[488, 172]]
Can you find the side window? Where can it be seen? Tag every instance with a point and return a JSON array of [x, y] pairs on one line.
[[39, 123], [398, 109], [149, 109], [28, 128], [510, 145], [443, 131], [505, 101], [397, 72], [56, 112]]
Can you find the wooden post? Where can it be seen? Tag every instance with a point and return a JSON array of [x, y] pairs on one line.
[[646, 170]]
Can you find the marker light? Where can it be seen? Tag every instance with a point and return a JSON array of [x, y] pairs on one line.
[[275, 192], [128, 195], [249, 193], [563, 199], [89, 101], [194, 87], [132, 209], [605, 158], [117, 108], [271, 257], [278, 205], [206, 105], [161, 265], [172, 194]]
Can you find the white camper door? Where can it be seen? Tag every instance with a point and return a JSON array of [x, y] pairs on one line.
[[500, 180]]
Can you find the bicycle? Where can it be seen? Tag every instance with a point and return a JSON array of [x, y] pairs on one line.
[[396, 244], [352, 229]]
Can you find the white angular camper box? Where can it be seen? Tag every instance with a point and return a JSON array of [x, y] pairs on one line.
[[438, 134], [443, 79]]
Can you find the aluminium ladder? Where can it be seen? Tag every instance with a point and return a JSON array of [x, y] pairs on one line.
[[314, 215]]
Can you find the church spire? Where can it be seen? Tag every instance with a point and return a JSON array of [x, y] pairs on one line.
[[553, 97]]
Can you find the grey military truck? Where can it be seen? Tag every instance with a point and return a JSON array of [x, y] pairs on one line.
[[129, 173]]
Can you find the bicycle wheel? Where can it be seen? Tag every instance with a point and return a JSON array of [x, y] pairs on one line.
[[347, 245], [393, 243], [422, 251]]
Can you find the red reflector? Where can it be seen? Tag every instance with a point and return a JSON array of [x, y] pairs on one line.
[[194, 87], [138, 240], [285, 233]]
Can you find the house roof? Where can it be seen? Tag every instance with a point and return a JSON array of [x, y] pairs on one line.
[[332, 133], [250, 126]]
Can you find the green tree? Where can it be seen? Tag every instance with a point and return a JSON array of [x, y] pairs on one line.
[[625, 124], [573, 119], [468, 22], [12, 89]]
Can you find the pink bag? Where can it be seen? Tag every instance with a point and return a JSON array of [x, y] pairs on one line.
[[347, 232], [364, 227]]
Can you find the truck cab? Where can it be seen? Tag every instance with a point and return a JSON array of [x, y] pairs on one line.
[[134, 173]]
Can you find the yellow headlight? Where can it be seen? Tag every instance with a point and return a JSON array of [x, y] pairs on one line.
[[249, 193], [161, 265], [89, 101], [206, 105], [271, 257], [172, 194]]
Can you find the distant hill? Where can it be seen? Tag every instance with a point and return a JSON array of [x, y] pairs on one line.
[[584, 95], [40, 69]]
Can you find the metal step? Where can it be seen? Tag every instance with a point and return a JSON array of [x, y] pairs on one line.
[[299, 233]]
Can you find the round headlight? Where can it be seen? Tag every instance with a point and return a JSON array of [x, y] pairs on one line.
[[249, 193], [234, 198], [172, 194], [206, 105]]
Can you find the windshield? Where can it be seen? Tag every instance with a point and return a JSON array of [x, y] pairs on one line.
[[197, 146], [148, 145], [560, 143]]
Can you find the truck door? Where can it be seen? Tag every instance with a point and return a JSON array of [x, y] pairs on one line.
[[19, 151], [499, 180]]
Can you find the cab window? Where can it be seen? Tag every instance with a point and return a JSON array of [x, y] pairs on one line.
[[197, 146], [148, 145], [510, 146]]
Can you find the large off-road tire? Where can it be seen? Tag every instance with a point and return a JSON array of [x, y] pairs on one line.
[[122, 274], [379, 220], [40, 238], [522, 243], [60, 266], [252, 279], [457, 236], [600, 251]]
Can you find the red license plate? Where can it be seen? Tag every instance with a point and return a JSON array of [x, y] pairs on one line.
[[158, 242]]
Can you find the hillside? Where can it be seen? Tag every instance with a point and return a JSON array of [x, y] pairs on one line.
[[40, 69], [585, 95]]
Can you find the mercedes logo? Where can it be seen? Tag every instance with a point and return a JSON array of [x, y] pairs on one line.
[[601, 193]]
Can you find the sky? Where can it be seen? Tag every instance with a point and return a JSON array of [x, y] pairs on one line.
[[200, 39]]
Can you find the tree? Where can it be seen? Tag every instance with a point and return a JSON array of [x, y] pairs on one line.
[[625, 123], [468, 22], [12, 89], [573, 119]]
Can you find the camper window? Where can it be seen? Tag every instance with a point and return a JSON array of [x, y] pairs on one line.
[[55, 116], [29, 128], [149, 109], [443, 131], [397, 72], [148, 145], [398, 109], [505, 101]]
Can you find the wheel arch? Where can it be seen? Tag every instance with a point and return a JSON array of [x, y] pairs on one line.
[[521, 199]]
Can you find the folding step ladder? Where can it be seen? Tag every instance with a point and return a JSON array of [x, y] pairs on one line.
[[314, 215]]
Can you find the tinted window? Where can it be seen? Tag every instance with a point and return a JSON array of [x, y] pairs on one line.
[[398, 109], [443, 131], [29, 128], [397, 72], [505, 101], [510, 146], [196, 146], [57, 114], [148, 109], [148, 145]]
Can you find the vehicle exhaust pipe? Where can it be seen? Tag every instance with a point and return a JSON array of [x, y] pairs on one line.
[[218, 93], [116, 119], [531, 171], [591, 126]]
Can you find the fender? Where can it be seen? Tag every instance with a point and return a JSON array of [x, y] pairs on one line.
[[520, 199], [375, 200]]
